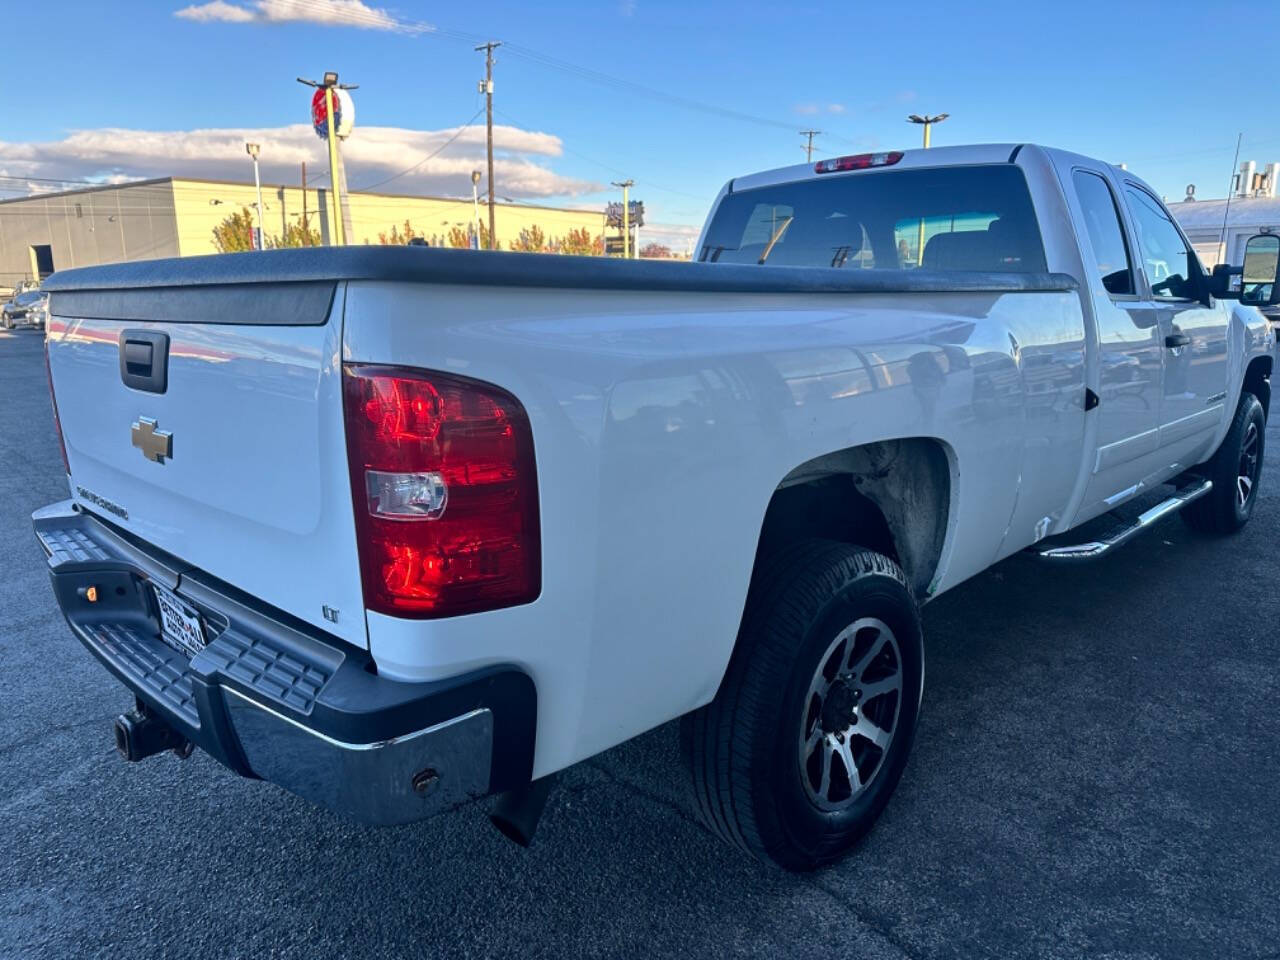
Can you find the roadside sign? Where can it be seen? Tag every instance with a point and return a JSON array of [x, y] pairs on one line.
[[344, 114]]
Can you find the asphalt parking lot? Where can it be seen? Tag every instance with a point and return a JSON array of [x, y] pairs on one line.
[[1097, 773]]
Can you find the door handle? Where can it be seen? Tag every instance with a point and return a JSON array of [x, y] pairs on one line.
[[1176, 340]]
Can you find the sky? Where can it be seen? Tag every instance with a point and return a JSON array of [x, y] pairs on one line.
[[679, 96]]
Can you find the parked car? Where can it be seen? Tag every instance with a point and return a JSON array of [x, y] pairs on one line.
[[25, 308], [396, 529]]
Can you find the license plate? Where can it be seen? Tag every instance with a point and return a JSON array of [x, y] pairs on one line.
[[179, 625]]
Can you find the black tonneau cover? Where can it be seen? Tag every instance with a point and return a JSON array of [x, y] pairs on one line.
[[296, 286]]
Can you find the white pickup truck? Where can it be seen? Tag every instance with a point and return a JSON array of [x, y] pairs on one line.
[[396, 528]]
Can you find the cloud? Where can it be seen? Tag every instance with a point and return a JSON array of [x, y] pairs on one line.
[[372, 154], [812, 109], [627, 8], [329, 13], [217, 10]]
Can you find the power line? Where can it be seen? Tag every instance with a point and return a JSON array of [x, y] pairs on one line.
[[604, 166], [431, 156]]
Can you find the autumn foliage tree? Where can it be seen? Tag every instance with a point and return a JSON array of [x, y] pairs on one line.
[[531, 240], [235, 234]]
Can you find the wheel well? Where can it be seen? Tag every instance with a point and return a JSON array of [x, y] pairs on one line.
[[892, 497], [1257, 380]]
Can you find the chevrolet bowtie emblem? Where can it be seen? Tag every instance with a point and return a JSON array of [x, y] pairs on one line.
[[154, 444]]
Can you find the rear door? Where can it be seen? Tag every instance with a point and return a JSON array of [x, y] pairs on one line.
[[208, 422], [1130, 354]]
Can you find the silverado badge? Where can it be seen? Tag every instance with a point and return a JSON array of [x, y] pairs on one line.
[[155, 444]]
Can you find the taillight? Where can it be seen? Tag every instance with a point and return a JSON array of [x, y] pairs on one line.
[[860, 161], [445, 492], [57, 421]]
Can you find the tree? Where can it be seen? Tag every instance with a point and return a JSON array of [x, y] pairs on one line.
[[235, 233], [295, 236], [397, 239], [531, 240], [579, 242], [655, 251]]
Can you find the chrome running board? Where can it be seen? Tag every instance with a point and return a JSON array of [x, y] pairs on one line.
[[1094, 549]]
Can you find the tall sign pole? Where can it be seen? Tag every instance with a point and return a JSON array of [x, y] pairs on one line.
[[334, 178], [927, 122], [626, 186], [486, 87], [335, 103]]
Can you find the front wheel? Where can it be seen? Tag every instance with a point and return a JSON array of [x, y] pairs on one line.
[[809, 733], [1235, 471]]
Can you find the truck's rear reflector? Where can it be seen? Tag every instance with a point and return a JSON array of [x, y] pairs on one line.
[[445, 492], [859, 161]]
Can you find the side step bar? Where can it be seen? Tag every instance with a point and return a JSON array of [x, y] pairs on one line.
[[1094, 549]]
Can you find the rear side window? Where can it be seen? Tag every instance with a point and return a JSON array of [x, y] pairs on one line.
[[972, 219], [1106, 236]]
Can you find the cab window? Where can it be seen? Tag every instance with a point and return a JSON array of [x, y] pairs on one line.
[[961, 218], [1171, 269], [1106, 235]]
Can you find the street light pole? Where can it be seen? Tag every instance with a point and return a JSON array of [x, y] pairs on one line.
[[927, 122], [253, 149], [475, 204]]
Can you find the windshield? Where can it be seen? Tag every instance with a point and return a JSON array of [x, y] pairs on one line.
[[974, 218], [26, 299]]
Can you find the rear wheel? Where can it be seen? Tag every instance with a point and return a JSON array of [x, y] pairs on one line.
[[808, 736], [1235, 471]]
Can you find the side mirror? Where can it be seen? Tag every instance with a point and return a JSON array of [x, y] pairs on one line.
[[1224, 282], [1261, 272]]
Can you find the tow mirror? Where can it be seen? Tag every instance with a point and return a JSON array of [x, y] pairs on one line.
[[1261, 272], [1224, 283]]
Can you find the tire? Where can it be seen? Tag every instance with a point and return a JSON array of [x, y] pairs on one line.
[[6, 322], [1235, 471], [768, 768]]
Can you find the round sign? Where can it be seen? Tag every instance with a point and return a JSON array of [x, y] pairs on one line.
[[320, 115], [344, 114]]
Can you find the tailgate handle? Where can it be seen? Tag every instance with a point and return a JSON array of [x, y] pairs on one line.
[[144, 360]]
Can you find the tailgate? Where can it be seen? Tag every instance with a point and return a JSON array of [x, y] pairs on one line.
[[208, 422]]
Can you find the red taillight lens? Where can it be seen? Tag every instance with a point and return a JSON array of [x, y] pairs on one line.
[[445, 492], [861, 161], [57, 421]]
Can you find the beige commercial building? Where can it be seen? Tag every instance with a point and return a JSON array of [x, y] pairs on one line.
[[177, 217]]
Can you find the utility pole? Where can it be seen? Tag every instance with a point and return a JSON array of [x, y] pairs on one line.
[[486, 87], [808, 148], [475, 205], [253, 149], [626, 185], [927, 122], [306, 228]]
